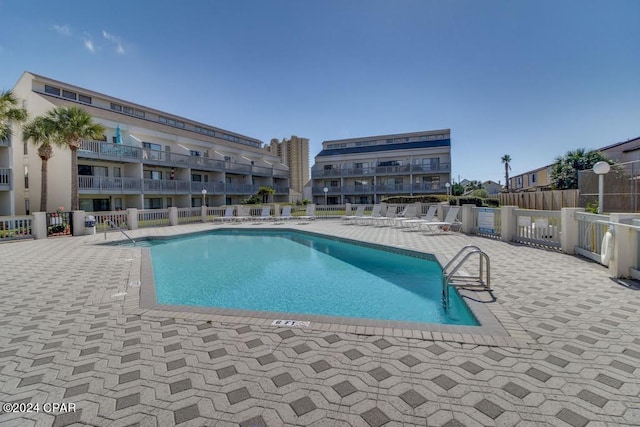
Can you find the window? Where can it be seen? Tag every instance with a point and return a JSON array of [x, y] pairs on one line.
[[52, 90], [533, 178], [116, 107], [68, 94], [390, 163], [389, 141], [196, 177], [116, 172], [227, 158], [153, 203], [84, 98], [27, 207], [157, 175], [169, 202], [127, 110], [154, 152], [117, 204], [26, 149], [195, 153], [26, 177], [180, 124], [87, 170], [519, 182], [171, 122]]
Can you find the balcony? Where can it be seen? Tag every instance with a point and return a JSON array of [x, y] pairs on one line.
[[424, 188], [5, 179], [101, 150], [317, 173]]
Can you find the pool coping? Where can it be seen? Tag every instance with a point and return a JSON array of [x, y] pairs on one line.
[[497, 327]]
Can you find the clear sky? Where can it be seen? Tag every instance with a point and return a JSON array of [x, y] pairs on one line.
[[532, 79]]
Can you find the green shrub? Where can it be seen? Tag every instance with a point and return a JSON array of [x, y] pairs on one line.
[[435, 198]]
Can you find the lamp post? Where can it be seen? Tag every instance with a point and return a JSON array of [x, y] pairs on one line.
[[446, 184], [204, 197], [601, 169], [326, 190]]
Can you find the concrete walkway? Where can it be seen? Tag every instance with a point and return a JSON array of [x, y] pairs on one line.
[[569, 355]]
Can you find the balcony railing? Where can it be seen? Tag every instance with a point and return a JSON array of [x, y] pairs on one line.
[[382, 189], [126, 153], [381, 170], [5, 179]]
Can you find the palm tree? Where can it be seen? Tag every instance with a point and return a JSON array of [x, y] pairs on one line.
[[73, 124], [40, 132], [9, 112], [506, 159]]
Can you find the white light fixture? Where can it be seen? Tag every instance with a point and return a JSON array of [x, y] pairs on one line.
[[204, 197], [601, 169], [326, 190], [446, 184]]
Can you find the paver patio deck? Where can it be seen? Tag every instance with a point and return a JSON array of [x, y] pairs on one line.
[[569, 355]]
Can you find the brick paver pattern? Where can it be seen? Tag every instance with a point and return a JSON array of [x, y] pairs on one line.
[[67, 334]]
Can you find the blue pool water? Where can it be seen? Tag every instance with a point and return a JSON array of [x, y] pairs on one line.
[[299, 273]]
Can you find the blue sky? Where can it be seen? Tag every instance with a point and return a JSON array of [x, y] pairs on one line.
[[532, 79]]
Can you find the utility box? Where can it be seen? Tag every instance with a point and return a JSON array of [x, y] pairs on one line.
[[90, 224]]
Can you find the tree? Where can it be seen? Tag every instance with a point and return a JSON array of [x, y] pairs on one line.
[[41, 132], [73, 124], [506, 159], [457, 189], [473, 185], [265, 192], [564, 172], [9, 112]]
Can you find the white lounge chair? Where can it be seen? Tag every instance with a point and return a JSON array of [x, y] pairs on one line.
[[351, 218], [310, 214], [228, 215], [377, 212], [265, 214], [450, 222], [430, 216], [409, 212], [285, 215], [244, 213]]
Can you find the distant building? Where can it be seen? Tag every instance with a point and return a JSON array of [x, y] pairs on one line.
[[623, 152], [533, 180], [492, 187], [366, 169], [294, 153]]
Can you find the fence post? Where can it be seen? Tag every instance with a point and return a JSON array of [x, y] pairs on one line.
[[78, 223], [467, 218], [508, 228], [570, 236], [39, 225], [276, 210], [347, 208], [173, 215], [203, 213], [132, 218], [624, 256]]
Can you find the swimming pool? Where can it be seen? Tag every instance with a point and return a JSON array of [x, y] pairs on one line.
[[301, 274]]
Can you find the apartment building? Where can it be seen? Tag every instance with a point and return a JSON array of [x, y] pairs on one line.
[[294, 153], [147, 159], [364, 170], [532, 180]]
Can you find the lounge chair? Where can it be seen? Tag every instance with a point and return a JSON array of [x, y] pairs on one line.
[[377, 212], [358, 214], [310, 214], [265, 214], [244, 213], [228, 215], [450, 222], [285, 215], [430, 216], [409, 212]]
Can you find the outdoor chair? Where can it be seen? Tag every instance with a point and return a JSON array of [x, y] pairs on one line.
[[430, 216], [449, 224], [351, 218]]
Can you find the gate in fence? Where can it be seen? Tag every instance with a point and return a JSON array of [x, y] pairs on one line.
[[59, 223]]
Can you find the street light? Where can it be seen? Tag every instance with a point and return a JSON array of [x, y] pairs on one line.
[[446, 184], [204, 197], [326, 190], [601, 169]]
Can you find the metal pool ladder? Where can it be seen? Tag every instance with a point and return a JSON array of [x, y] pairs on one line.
[[113, 224], [483, 279]]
